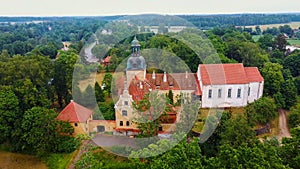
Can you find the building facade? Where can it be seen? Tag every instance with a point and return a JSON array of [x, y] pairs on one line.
[[215, 85]]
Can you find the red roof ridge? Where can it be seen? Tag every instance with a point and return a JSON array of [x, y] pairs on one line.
[[75, 112]]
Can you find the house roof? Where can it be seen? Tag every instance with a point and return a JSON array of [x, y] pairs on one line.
[[75, 113], [253, 74], [107, 59], [223, 74]]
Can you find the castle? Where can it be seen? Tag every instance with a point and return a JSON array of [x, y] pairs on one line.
[[215, 85]]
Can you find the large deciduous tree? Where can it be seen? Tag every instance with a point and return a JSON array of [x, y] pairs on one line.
[[261, 111], [64, 67], [272, 73], [9, 113]]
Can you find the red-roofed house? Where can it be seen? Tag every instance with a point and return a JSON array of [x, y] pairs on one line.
[[106, 61], [78, 116]]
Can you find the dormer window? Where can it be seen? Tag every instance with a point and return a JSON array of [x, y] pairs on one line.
[[124, 112]]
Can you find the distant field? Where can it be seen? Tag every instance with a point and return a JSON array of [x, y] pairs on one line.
[[294, 42], [294, 25]]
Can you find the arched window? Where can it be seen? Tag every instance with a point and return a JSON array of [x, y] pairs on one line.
[[127, 123], [121, 123]]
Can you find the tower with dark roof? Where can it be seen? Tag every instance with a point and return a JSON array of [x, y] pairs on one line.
[[136, 65]]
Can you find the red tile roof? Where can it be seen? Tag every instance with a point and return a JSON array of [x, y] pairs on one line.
[[223, 74], [253, 74], [75, 113], [107, 59]]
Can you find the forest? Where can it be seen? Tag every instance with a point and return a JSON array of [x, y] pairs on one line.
[[36, 84]]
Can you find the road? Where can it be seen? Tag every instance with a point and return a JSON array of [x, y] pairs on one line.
[[283, 126], [111, 140], [88, 52]]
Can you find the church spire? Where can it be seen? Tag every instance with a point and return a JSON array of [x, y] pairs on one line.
[[135, 46]]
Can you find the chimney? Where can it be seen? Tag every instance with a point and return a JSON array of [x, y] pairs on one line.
[[165, 77], [153, 75], [186, 74], [141, 85]]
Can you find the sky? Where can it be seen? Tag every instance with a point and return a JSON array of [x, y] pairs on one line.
[[119, 7]]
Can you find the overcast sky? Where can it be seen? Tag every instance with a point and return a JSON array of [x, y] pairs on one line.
[[114, 7]]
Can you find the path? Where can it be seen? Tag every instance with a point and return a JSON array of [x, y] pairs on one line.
[[283, 126], [89, 55], [82, 150]]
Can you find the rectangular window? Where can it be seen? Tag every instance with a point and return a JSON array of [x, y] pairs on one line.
[[127, 123], [229, 93], [126, 103], [121, 123], [219, 93], [209, 93], [124, 112], [239, 93], [248, 91]]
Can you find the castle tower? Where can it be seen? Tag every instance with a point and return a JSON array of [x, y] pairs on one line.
[[136, 65]]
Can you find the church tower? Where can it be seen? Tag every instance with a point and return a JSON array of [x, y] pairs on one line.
[[136, 65]]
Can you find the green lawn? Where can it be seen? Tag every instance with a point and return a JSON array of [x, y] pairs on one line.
[[256, 37], [58, 161], [295, 42]]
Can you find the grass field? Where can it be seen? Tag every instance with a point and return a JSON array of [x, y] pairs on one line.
[[211, 112], [294, 42], [294, 25], [199, 124], [91, 80], [256, 37], [58, 161]]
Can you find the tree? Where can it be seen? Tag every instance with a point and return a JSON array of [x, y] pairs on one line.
[[9, 113], [99, 93], [49, 50], [280, 43], [64, 67], [273, 31], [261, 111], [88, 97], [38, 128], [292, 63], [286, 29], [294, 116], [147, 115], [297, 35], [290, 151], [252, 55], [245, 156], [289, 92], [272, 73], [170, 97], [266, 41], [258, 30], [238, 132], [42, 133], [107, 82]]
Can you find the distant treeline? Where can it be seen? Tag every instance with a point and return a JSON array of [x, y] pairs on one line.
[[201, 21], [211, 21]]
